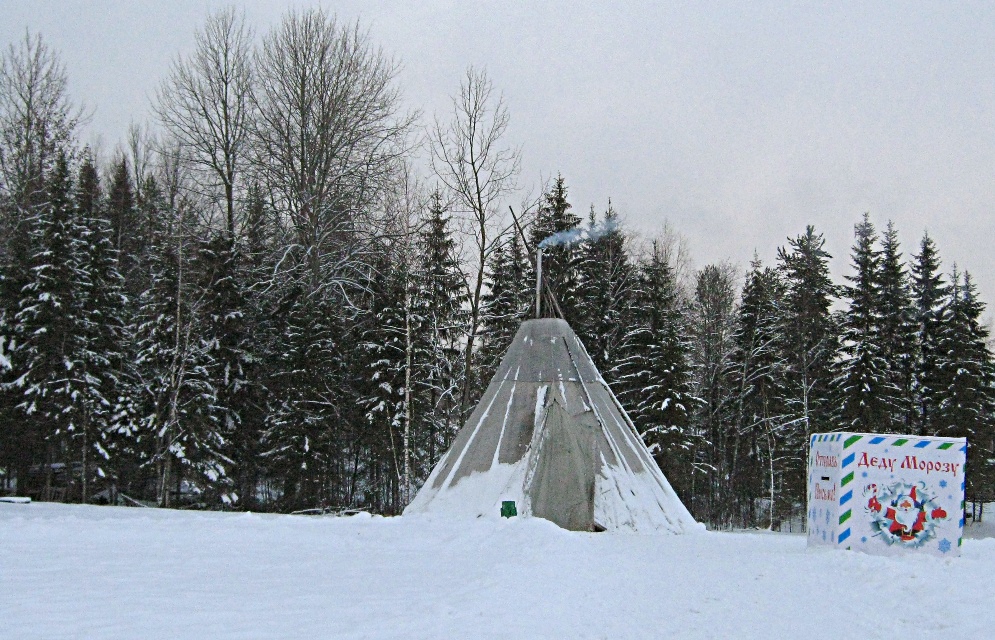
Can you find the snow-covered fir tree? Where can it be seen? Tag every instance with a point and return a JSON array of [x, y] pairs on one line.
[[48, 323], [229, 353], [306, 385], [712, 318], [256, 351], [38, 122], [865, 394], [560, 259], [966, 371], [606, 281], [388, 345], [652, 373], [440, 307], [102, 309], [173, 360], [808, 342], [122, 212], [509, 299], [758, 369], [930, 294], [897, 335]]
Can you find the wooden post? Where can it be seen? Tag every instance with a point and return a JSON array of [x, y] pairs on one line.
[[539, 283]]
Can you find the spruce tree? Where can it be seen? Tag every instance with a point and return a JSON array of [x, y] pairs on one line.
[[101, 331], [315, 404], [509, 300], [712, 320], [653, 374], [930, 295], [606, 281], [47, 323], [387, 343], [864, 389], [897, 336], [758, 366], [38, 122], [228, 341], [261, 345], [123, 215], [808, 342], [21, 443], [560, 257], [965, 410], [440, 307], [172, 362], [121, 203]]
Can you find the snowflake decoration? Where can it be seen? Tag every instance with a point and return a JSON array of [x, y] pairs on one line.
[[943, 483], [944, 545]]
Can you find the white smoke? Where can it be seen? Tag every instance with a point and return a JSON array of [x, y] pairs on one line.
[[579, 234]]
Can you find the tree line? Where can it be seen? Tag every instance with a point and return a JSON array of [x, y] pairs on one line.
[[257, 304], [726, 382]]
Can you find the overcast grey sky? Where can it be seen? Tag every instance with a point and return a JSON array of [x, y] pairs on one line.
[[739, 123]]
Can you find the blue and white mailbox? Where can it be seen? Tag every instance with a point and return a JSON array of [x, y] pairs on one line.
[[886, 494]]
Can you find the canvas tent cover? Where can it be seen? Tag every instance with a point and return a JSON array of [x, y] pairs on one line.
[[549, 434]]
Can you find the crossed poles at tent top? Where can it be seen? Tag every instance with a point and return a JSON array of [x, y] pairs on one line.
[[545, 299]]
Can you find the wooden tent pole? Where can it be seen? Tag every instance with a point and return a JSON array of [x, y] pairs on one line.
[[551, 302]]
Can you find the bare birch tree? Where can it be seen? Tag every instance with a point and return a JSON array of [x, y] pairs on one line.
[[37, 118], [141, 150], [472, 160], [205, 104], [405, 202], [327, 136]]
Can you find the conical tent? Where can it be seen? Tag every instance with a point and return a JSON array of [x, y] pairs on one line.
[[549, 434]]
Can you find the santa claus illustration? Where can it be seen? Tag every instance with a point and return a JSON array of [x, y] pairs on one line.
[[905, 515]]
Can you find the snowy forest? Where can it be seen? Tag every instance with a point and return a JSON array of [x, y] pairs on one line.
[[286, 292]]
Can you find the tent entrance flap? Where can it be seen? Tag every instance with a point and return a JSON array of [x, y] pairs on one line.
[[562, 487]]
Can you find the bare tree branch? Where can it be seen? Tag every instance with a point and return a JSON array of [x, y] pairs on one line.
[[328, 138], [470, 159], [206, 105]]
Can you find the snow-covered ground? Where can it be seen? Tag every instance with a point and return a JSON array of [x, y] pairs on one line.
[[105, 572]]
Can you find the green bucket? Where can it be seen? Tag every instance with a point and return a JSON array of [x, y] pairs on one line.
[[508, 509]]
